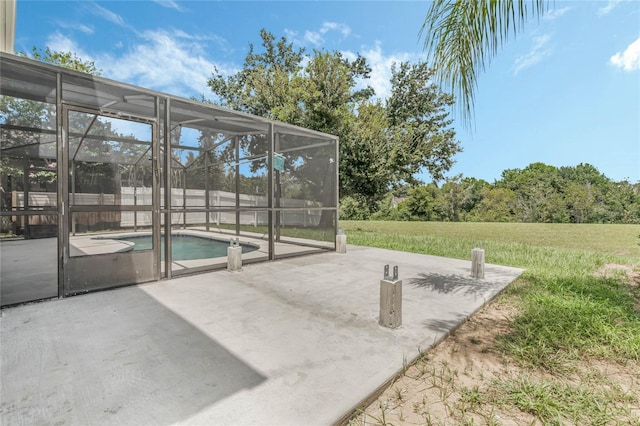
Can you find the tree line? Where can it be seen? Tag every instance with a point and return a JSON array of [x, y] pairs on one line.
[[537, 193]]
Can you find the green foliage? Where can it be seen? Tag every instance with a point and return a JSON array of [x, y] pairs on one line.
[[422, 202], [391, 208], [539, 193], [381, 145], [419, 120], [352, 208], [538, 196], [63, 59], [495, 205]]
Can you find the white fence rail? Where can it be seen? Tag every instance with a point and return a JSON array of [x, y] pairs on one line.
[[190, 198]]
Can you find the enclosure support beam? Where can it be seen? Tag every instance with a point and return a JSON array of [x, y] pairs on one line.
[[278, 188], [184, 198], [272, 254], [72, 176], [135, 197], [337, 188], [236, 141], [155, 190], [63, 188], [166, 143], [25, 193], [206, 188]]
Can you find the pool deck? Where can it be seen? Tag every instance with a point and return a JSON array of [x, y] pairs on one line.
[[292, 342], [91, 244]]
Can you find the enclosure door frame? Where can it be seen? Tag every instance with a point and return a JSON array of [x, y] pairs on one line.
[[87, 273]]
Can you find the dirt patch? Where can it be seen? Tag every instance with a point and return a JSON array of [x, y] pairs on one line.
[[627, 273], [462, 380]]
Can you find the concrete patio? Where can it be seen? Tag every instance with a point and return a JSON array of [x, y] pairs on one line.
[[291, 342]]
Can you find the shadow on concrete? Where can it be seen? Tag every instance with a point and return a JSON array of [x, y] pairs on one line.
[[117, 357], [443, 326], [456, 284], [28, 270]]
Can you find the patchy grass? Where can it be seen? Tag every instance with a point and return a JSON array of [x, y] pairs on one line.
[[567, 318]]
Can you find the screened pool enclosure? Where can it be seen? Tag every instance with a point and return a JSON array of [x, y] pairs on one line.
[[105, 184]]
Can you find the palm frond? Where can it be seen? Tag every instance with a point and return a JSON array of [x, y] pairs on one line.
[[462, 36]]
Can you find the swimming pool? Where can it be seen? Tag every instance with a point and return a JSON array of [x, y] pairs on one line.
[[187, 247]]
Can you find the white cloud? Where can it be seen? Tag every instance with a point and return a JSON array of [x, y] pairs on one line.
[[313, 37], [317, 38], [381, 64], [538, 51], [171, 62], [553, 14], [608, 8], [77, 27], [170, 4], [222, 43], [61, 43], [629, 60], [344, 29], [84, 28], [109, 15], [292, 36]]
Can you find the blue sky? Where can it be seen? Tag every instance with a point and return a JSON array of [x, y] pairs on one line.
[[565, 91]]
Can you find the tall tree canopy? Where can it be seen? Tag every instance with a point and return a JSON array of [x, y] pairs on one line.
[[461, 37], [382, 144]]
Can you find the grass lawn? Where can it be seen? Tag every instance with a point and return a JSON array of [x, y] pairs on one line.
[[575, 320]]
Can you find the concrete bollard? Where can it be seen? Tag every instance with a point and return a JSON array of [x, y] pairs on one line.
[[390, 299], [234, 255], [341, 242], [477, 263]]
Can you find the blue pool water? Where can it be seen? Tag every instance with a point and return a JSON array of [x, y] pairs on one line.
[[188, 247]]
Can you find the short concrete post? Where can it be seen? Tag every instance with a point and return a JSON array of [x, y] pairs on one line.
[[234, 255], [390, 299], [477, 263], [341, 242]]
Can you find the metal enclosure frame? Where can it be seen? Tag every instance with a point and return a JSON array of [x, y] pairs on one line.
[[200, 154]]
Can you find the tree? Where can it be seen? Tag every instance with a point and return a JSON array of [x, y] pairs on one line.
[[422, 203], [365, 152], [458, 197], [623, 202], [63, 59], [584, 193], [496, 205], [461, 37], [420, 124], [265, 85], [538, 189], [380, 145]]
